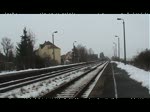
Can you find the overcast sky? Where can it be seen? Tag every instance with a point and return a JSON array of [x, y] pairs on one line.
[[96, 31]]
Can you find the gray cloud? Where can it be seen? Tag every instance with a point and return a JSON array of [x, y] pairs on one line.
[[94, 31]]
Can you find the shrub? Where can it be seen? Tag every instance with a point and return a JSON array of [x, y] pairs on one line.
[[142, 60]]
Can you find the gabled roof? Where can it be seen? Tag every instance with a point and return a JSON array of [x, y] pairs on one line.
[[48, 43], [66, 56]]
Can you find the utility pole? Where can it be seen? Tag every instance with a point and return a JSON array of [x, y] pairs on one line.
[[118, 46], [53, 44], [73, 57], [124, 39]]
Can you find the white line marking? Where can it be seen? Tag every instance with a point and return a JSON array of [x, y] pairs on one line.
[[149, 48], [87, 93], [115, 85]]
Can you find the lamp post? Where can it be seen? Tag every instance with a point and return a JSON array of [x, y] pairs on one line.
[[53, 44], [115, 49], [124, 39], [74, 52], [118, 46]]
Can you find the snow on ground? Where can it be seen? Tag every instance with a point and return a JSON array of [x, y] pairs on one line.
[[137, 74], [42, 87], [9, 72]]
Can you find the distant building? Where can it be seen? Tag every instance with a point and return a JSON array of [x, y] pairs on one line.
[[46, 51], [67, 58], [102, 56]]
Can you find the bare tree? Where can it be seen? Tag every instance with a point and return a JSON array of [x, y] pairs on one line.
[[10, 56], [82, 53], [32, 38], [7, 45], [90, 51]]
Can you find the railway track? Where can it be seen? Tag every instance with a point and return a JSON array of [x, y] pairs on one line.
[[76, 87], [35, 72], [16, 83]]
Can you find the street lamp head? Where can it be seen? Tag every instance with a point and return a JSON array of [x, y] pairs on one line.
[[119, 19], [55, 31], [116, 36], [74, 42]]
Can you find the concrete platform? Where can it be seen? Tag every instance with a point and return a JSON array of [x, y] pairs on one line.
[[125, 87]]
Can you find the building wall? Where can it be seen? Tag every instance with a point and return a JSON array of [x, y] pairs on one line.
[[58, 55], [46, 51]]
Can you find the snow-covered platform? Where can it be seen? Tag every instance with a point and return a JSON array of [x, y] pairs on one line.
[[122, 81]]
